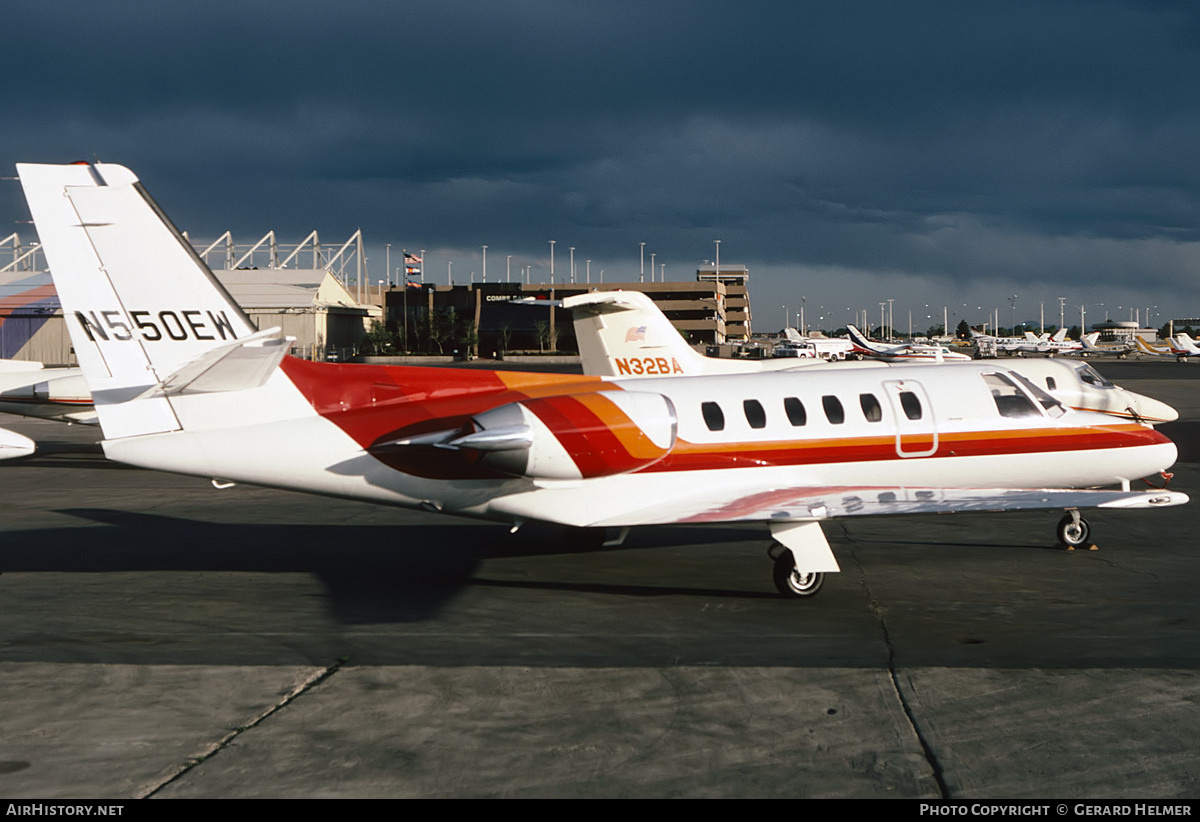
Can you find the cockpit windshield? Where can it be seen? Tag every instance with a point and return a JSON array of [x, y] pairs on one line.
[[1052, 406], [1092, 377], [1011, 401]]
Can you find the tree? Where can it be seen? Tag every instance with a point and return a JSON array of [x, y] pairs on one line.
[[441, 328], [505, 336], [542, 329], [466, 335], [963, 332], [379, 340]]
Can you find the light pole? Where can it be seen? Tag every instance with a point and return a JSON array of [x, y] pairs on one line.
[[508, 269], [450, 273], [552, 262], [588, 271], [387, 271], [485, 263], [643, 270], [717, 264]]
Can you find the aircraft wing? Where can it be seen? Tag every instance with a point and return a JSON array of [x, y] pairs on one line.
[[807, 504], [751, 502]]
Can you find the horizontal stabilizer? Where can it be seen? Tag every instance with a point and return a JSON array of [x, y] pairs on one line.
[[602, 302], [244, 364], [7, 366]]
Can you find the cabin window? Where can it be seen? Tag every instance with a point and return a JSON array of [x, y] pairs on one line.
[[755, 415], [714, 417], [870, 407], [795, 411], [911, 404], [1051, 383], [1010, 400], [833, 409]]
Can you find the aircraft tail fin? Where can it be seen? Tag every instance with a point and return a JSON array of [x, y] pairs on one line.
[[1145, 347], [140, 304], [624, 334], [860, 342]]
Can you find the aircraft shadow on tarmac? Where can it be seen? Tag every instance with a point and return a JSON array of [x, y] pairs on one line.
[[371, 573]]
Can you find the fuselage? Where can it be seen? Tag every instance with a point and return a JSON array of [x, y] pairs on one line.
[[972, 426]]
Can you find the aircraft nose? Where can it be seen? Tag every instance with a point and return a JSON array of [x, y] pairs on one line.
[[1151, 410]]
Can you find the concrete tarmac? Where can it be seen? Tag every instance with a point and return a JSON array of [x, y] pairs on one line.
[[162, 638]]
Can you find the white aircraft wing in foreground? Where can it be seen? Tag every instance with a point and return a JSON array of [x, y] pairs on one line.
[[182, 382]]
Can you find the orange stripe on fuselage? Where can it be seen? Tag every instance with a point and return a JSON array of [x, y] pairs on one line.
[[626, 430]]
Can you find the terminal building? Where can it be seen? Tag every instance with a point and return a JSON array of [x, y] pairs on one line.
[[518, 316]]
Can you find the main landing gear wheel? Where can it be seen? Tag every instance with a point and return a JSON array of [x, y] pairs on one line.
[[1073, 531], [793, 583]]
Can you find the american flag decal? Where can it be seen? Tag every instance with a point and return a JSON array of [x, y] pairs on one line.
[[636, 334]]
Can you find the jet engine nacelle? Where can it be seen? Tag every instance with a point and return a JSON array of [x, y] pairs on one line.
[[574, 436]]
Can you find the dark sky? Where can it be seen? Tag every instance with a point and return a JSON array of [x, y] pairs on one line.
[[848, 152]]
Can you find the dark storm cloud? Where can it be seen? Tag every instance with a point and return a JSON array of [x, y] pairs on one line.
[[960, 145]]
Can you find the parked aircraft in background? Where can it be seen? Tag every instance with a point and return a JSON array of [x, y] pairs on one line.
[[906, 352], [1031, 343], [182, 382], [1173, 349], [630, 337], [29, 390], [1184, 342], [602, 317]]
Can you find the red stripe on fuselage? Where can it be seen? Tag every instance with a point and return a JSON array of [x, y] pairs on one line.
[[370, 402], [593, 446]]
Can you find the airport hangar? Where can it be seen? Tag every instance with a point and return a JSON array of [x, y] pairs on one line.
[[329, 314]]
